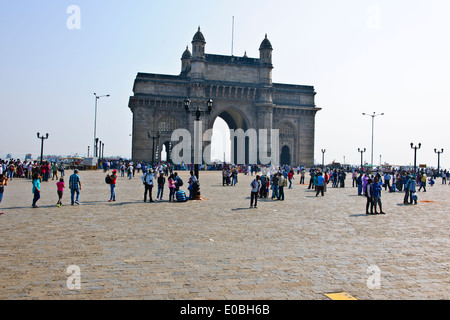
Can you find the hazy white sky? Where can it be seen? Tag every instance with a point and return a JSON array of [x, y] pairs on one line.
[[361, 56]]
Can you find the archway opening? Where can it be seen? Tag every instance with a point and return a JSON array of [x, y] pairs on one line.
[[230, 119], [285, 158], [163, 153], [220, 142]]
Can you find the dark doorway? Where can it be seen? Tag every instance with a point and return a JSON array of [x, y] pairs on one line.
[[285, 158]]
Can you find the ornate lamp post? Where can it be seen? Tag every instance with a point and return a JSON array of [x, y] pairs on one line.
[[361, 151], [439, 157], [42, 143], [153, 147], [198, 114], [415, 154]]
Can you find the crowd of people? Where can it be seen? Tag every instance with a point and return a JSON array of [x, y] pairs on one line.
[[268, 179]]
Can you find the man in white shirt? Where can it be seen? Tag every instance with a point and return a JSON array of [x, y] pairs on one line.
[[148, 180]]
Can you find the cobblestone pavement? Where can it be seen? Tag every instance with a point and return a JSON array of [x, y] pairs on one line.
[[218, 248]]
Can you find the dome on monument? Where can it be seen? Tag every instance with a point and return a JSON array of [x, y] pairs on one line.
[[198, 37], [265, 44], [186, 54]]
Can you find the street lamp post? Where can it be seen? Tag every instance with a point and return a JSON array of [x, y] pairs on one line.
[[373, 118], [95, 123], [361, 151], [415, 154], [42, 143], [100, 150], [323, 159], [198, 114], [153, 147], [88, 151], [439, 158], [103, 150]]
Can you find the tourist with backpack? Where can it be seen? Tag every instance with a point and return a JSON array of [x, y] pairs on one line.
[[112, 184]]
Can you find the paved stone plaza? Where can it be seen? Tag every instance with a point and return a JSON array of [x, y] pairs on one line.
[[218, 248]]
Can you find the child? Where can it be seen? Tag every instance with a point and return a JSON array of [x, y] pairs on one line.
[[60, 188], [431, 182]]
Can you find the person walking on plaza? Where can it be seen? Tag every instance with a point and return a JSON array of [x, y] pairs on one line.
[[326, 177], [59, 190], [255, 187], [54, 171], [354, 177], [130, 171], [61, 169], [171, 183], [282, 182], [3, 183], [275, 186], [193, 186], [406, 188], [412, 190], [148, 181], [359, 184], [75, 187], [112, 185], [302, 176], [311, 179], [368, 193], [376, 195], [36, 189], [290, 177], [387, 181], [423, 182], [320, 184], [161, 182], [263, 190]]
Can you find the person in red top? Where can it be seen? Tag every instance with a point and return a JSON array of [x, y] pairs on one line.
[[60, 189], [290, 177], [327, 178], [113, 185]]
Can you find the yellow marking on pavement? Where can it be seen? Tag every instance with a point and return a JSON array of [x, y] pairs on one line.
[[340, 296]]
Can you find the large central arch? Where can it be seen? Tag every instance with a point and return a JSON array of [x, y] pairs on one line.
[[235, 119]]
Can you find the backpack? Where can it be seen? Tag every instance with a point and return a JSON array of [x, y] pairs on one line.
[[179, 182], [108, 179]]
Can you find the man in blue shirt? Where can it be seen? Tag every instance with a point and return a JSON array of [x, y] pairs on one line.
[[376, 195], [320, 184], [75, 186]]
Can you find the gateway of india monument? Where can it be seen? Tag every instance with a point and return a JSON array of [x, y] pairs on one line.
[[243, 95]]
